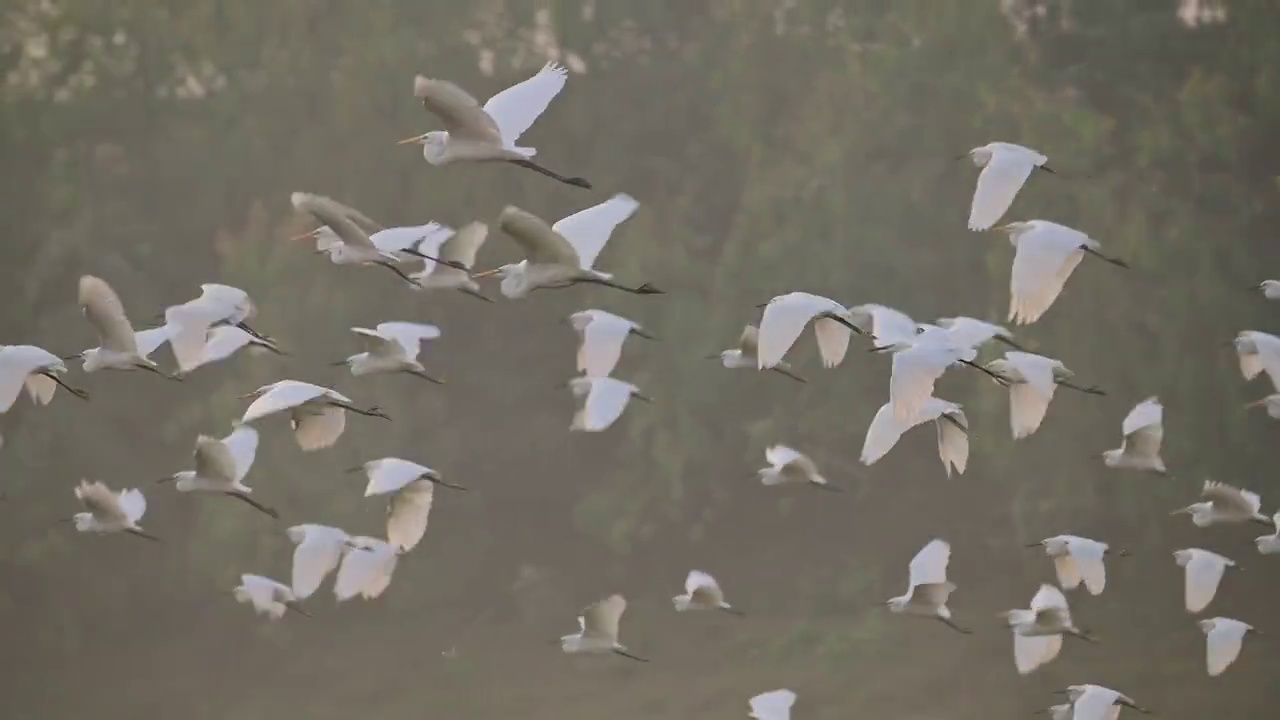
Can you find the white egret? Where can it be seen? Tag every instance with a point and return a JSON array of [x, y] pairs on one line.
[[773, 705], [392, 347], [791, 467], [221, 466], [110, 511], [35, 369], [1077, 559], [1005, 167], [1270, 402], [745, 354], [883, 324], [355, 248], [702, 592], [1046, 254], [216, 306], [785, 317], [1224, 504], [476, 134], [411, 242], [562, 255], [366, 569], [1270, 289], [316, 413], [410, 486], [1258, 352], [1143, 430], [318, 552], [1223, 638], [1270, 544], [1095, 702], [953, 433], [1204, 570], [221, 343], [601, 337], [598, 629], [601, 401], [147, 342], [457, 255], [267, 596], [1058, 712], [1038, 630], [1032, 381], [974, 333], [928, 588], [118, 347], [918, 362]]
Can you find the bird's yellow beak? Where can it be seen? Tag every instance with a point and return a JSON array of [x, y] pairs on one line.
[[305, 235], [487, 273], [414, 139], [1002, 228]]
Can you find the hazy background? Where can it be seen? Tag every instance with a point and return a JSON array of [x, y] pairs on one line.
[[774, 146]]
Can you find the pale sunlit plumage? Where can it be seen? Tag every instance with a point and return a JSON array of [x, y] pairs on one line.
[[702, 592], [1038, 630], [953, 433], [1223, 639], [392, 347], [1032, 380], [918, 362], [267, 596], [928, 588], [367, 567], [217, 306], [601, 337], [785, 317], [974, 333], [1005, 167], [1078, 559], [117, 346], [319, 550], [601, 401], [221, 343], [1270, 544], [883, 324], [34, 368], [457, 254], [1046, 255], [221, 465], [1143, 430], [1224, 504], [108, 511], [489, 133], [598, 629], [1204, 570], [744, 355], [318, 414], [410, 487], [791, 467], [351, 228], [773, 705], [1095, 702], [1258, 352]]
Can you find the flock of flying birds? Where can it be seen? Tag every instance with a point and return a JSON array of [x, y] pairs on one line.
[[214, 326]]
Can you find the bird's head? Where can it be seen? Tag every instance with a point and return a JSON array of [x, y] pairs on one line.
[[1111, 458], [83, 521], [434, 144]]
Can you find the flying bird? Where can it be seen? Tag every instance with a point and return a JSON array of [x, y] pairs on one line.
[[1270, 544], [317, 413], [267, 596], [1204, 570], [1038, 630], [1046, 254], [457, 256], [109, 512], [598, 629], [346, 225], [475, 134], [785, 317], [1078, 559], [34, 368], [1224, 504], [216, 306], [1223, 638], [366, 569], [702, 592], [773, 705], [601, 337], [601, 401], [392, 347], [221, 466], [791, 467], [744, 355], [1258, 352], [1270, 289], [953, 433], [1095, 702], [147, 342], [118, 347], [918, 362], [1143, 430], [221, 343], [1005, 167], [883, 324], [319, 550], [1032, 381], [410, 486], [928, 588], [1270, 402], [564, 254], [974, 333]]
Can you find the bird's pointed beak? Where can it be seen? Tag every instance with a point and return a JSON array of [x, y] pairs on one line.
[[414, 139], [305, 235], [77, 356], [336, 363], [712, 357], [1180, 511], [1033, 545], [356, 469], [645, 398], [486, 273], [1002, 228], [170, 478]]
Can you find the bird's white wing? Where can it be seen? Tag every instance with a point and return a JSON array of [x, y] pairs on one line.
[[408, 335], [397, 239], [911, 380], [318, 552], [282, 396], [148, 341], [214, 460], [358, 569], [40, 388], [773, 705], [698, 579], [953, 441], [462, 116], [350, 225], [1030, 652], [1096, 703], [132, 504], [605, 403], [319, 430], [407, 515], [390, 475], [461, 246], [386, 560], [15, 368], [1040, 270], [601, 346], [1231, 498], [782, 322], [1088, 560], [1222, 645], [833, 341], [888, 325], [998, 183], [103, 309], [242, 445], [1068, 571], [100, 501], [781, 456], [882, 434], [1048, 597], [601, 619], [1143, 427], [515, 109], [929, 566], [589, 230], [222, 342], [539, 242], [1203, 573]]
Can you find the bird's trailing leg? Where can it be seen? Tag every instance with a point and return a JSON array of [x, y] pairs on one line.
[[845, 322], [626, 654], [476, 294], [1092, 389], [255, 504], [296, 608], [994, 375], [392, 267], [139, 533], [423, 374], [963, 429], [1131, 704], [641, 333], [438, 481], [732, 611], [826, 486], [530, 165], [1010, 343], [374, 411], [270, 345], [1087, 637], [245, 327], [161, 373], [643, 289], [82, 394], [785, 371], [456, 265], [1114, 261], [951, 624]]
